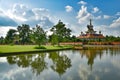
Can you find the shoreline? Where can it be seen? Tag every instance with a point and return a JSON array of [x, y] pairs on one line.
[[6, 50], [101, 45], [81, 47], [31, 52], [85, 47]]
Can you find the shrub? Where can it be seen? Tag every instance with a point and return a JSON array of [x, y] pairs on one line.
[[40, 47]]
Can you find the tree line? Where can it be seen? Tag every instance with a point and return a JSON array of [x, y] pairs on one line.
[[24, 35]]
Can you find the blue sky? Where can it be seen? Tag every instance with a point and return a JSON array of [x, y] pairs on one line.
[[74, 13]]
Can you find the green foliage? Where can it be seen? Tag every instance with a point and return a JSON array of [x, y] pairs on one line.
[[112, 38], [40, 47], [39, 35], [2, 40], [62, 33], [11, 44], [54, 40], [24, 33], [10, 37]]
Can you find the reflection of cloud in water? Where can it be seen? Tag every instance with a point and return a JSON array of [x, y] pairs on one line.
[[84, 72], [97, 77], [116, 63], [13, 74], [106, 70], [3, 59], [69, 78]]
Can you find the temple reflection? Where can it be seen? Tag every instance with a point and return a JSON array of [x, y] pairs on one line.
[[92, 53]]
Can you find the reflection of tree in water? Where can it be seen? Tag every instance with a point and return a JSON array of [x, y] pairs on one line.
[[20, 60], [36, 62], [24, 61], [60, 62], [114, 51], [39, 64], [11, 60]]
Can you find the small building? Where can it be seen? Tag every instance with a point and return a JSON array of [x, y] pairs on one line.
[[91, 34]]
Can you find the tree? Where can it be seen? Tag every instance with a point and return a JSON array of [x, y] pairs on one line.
[[61, 32], [24, 33], [54, 39], [10, 36], [39, 35], [1, 40]]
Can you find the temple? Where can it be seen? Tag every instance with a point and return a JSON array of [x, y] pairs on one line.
[[91, 33]]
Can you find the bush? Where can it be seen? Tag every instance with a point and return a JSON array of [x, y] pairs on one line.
[[40, 47], [11, 44]]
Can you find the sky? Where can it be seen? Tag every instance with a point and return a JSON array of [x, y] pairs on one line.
[[105, 15]]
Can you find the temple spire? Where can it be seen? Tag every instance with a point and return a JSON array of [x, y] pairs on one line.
[[90, 21]]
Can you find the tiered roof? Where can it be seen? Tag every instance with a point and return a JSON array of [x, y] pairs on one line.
[[90, 33]]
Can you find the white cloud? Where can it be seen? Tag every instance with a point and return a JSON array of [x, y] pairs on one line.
[[68, 8], [118, 13], [25, 15], [95, 9], [116, 23], [1, 13], [5, 20], [4, 30], [19, 9], [106, 16], [22, 14], [114, 27], [40, 13], [83, 15], [82, 2], [15, 17], [17, 12], [98, 17]]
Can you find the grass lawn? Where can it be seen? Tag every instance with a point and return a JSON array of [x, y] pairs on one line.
[[26, 48]]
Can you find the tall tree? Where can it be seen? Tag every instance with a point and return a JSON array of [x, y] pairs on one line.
[[24, 33], [1, 40], [10, 36], [39, 35], [61, 31]]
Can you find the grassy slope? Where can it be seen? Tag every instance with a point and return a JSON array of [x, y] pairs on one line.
[[25, 48]]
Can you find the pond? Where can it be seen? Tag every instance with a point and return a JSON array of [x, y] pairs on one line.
[[92, 64]]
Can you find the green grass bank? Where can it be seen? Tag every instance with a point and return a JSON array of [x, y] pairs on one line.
[[29, 48]]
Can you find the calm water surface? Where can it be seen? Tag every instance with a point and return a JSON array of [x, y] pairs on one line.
[[93, 64]]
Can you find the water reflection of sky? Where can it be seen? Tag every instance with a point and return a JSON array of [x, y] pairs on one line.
[[101, 64]]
